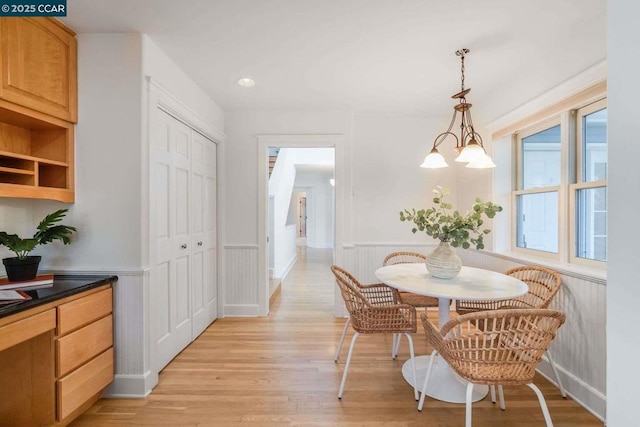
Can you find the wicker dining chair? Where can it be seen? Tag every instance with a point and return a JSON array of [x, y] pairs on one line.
[[368, 318], [543, 283], [378, 294], [417, 301], [505, 350]]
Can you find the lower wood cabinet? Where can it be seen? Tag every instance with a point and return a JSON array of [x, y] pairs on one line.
[[84, 352], [58, 357]]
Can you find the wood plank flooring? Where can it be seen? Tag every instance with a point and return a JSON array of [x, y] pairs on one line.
[[279, 371]]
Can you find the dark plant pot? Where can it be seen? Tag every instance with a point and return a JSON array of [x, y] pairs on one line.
[[21, 269]]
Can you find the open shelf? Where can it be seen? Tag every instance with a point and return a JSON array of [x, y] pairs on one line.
[[36, 155]]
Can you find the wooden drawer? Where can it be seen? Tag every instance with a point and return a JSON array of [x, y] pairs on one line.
[[75, 314], [27, 328], [76, 348], [78, 386]]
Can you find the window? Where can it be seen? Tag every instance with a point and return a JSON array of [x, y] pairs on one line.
[[560, 201], [589, 193], [539, 179]]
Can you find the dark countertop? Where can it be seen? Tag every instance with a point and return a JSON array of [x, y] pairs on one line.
[[63, 286]]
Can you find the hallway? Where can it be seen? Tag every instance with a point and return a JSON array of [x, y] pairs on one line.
[[279, 371]]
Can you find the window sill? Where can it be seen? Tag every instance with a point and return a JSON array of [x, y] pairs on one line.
[[572, 270]]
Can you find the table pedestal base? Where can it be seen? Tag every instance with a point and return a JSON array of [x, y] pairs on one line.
[[444, 383]]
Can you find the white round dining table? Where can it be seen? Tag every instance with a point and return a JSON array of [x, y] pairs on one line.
[[471, 284]]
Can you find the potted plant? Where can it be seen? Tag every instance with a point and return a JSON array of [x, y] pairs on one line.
[[25, 267], [452, 229]]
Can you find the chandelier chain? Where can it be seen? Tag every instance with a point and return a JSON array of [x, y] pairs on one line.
[[462, 71]]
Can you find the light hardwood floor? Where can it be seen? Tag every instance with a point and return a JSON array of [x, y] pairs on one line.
[[279, 371]]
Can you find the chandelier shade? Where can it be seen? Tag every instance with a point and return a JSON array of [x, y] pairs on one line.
[[434, 160], [469, 144]]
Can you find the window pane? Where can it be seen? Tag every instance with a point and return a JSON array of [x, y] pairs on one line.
[[537, 223], [594, 146], [541, 159], [591, 224]]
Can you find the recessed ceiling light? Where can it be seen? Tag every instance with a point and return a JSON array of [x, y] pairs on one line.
[[246, 82]]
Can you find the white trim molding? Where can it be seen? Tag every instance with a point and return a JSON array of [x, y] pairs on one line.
[[176, 108], [591, 76], [336, 141]]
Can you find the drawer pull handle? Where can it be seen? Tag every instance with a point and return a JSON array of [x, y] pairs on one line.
[[199, 243], [183, 246]]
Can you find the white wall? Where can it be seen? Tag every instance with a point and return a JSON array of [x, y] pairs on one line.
[[320, 207], [281, 188], [163, 70], [623, 292], [107, 161], [387, 178], [111, 208], [242, 128]]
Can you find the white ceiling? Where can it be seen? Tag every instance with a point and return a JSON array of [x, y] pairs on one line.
[[369, 56]]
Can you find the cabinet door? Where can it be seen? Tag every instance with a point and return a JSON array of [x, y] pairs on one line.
[[171, 275], [38, 66], [203, 238]]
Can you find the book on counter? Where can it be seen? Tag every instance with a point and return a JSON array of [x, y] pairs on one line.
[[40, 281], [12, 296]]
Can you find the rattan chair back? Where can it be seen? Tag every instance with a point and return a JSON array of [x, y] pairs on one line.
[[496, 347], [367, 317], [411, 258], [404, 258], [543, 283]]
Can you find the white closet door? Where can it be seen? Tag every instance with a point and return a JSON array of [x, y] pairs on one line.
[[203, 238], [171, 165], [211, 236]]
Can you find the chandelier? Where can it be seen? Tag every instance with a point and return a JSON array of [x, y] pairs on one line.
[[469, 145]]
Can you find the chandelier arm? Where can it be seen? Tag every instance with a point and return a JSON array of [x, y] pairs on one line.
[[442, 137], [469, 129], [478, 138]]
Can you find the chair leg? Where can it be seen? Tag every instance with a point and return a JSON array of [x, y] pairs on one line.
[[543, 404], [346, 366], [468, 405], [434, 354], [344, 333], [501, 395], [413, 365], [563, 392], [492, 389], [396, 346]]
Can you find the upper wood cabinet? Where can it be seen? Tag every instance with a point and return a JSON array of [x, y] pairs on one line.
[[38, 66], [38, 106]]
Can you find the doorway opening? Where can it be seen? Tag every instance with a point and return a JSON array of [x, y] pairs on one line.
[[301, 212], [317, 234]]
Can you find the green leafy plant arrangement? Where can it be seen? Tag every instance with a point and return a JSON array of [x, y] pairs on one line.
[[48, 231], [459, 230]]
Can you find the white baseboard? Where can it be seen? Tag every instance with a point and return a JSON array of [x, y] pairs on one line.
[[131, 386], [588, 397], [241, 310], [288, 268]]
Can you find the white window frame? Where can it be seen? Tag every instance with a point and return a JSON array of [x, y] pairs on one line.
[[580, 184], [519, 136], [570, 121]]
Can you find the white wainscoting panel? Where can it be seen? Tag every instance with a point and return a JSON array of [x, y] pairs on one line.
[[131, 337], [241, 292], [363, 259]]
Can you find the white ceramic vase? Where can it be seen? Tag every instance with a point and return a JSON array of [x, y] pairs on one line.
[[443, 262]]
